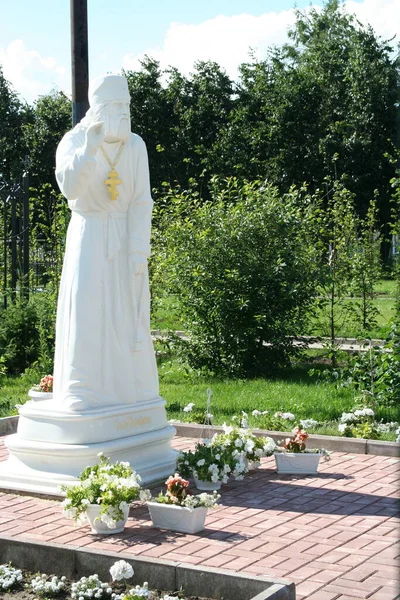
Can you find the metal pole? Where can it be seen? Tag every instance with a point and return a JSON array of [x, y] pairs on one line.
[[25, 234], [5, 250], [13, 201], [79, 59]]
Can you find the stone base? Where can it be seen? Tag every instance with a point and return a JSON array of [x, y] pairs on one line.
[[53, 446]]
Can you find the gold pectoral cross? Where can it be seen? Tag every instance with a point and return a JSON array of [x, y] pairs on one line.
[[112, 182]]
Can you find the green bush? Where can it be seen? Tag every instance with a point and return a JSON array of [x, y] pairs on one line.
[[27, 333], [244, 272]]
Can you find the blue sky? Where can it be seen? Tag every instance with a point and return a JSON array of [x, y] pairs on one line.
[[35, 34]]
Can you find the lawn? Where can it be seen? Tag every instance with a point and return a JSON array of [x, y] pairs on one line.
[[293, 391], [165, 315]]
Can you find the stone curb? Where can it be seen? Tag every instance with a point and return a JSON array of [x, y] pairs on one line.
[[8, 425], [160, 574], [329, 442]]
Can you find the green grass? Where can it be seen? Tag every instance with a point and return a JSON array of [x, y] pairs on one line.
[[14, 390], [165, 315], [294, 391]]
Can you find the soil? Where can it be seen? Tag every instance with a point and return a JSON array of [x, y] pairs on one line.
[[21, 593]]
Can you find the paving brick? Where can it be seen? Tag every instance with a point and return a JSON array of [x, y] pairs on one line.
[[330, 535], [321, 595], [385, 594]]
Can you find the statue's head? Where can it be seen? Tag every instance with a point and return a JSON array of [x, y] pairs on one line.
[[109, 102]]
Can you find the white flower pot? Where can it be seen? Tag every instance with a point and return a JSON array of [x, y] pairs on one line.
[[305, 463], [207, 486], [97, 526], [177, 518], [37, 396]]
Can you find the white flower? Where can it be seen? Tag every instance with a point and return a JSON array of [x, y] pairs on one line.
[[249, 446], [217, 457], [238, 443], [227, 428], [145, 495], [308, 423], [121, 570], [288, 416], [269, 446], [342, 427], [201, 462], [189, 407], [348, 417], [209, 416], [244, 423], [364, 412], [256, 413]]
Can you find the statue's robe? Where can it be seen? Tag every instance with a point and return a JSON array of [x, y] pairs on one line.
[[97, 360]]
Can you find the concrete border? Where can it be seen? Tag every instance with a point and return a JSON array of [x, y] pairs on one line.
[[8, 425], [161, 574], [330, 442]]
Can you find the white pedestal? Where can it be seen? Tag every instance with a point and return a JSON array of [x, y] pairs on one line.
[[52, 446]]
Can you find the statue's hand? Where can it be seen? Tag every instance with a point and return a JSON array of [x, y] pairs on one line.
[[94, 137], [137, 263]]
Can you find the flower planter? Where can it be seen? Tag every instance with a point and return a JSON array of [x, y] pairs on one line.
[[177, 518], [302, 463], [37, 396], [97, 526], [207, 486]]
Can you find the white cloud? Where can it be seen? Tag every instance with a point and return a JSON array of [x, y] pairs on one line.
[[382, 15], [228, 40], [30, 74]]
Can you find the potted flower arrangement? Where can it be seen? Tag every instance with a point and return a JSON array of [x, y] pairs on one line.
[[102, 496], [292, 457], [211, 464], [42, 390], [178, 509], [245, 446]]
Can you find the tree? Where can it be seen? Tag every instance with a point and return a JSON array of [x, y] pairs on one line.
[[323, 105], [244, 273], [50, 119], [12, 116]]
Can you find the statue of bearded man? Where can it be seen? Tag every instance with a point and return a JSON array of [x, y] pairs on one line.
[[104, 352]]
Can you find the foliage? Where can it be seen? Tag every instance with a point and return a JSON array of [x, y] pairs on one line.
[[89, 588], [27, 333], [245, 274], [12, 117], [359, 423], [10, 577], [210, 462], [44, 587], [50, 119], [297, 444], [179, 494], [244, 445], [374, 373], [18, 336], [112, 486]]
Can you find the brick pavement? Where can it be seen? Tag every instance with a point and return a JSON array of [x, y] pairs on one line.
[[336, 535]]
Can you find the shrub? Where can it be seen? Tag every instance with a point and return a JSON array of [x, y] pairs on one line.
[[245, 274], [27, 333]]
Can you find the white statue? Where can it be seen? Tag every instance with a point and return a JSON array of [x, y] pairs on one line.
[[105, 377], [104, 352]]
